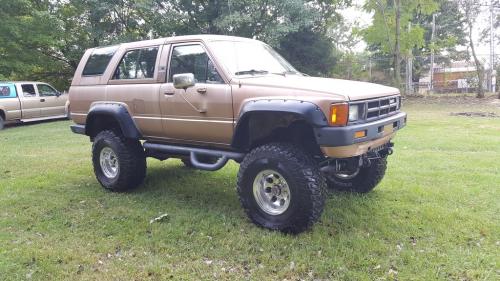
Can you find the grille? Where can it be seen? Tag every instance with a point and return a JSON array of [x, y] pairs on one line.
[[380, 108]]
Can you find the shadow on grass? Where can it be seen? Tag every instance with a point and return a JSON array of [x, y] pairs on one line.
[[202, 191]]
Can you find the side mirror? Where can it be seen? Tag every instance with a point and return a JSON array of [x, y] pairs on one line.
[[184, 80], [58, 94]]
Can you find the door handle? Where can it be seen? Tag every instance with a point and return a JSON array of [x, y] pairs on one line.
[[169, 93], [42, 100], [201, 90]]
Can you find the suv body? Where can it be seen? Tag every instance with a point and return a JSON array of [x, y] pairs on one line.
[[206, 99], [24, 101]]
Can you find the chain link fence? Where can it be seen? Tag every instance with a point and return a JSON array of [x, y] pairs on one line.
[[449, 75]]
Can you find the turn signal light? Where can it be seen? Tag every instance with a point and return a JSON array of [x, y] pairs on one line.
[[339, 114], [360, 134]]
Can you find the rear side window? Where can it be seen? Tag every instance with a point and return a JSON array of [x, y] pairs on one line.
[[137, 64], [98, 61], [7, 91]]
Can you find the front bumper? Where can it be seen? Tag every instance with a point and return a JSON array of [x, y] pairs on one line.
[[340, 142]]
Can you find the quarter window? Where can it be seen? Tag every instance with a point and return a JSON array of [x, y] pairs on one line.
[[193, 59], [98, 61], [137, 64]]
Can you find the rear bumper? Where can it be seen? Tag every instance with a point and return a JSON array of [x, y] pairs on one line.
[[340, 142], [78, 129]]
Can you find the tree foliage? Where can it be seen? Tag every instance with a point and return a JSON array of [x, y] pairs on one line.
[[45, 39]]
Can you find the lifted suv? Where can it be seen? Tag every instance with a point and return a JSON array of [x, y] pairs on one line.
[[207, 99]]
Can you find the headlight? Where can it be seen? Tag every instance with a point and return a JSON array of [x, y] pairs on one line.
[[353, 112]]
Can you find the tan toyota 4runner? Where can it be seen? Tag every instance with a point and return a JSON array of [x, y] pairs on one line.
[[206, 99]]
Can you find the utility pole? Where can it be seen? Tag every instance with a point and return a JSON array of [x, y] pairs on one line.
[[492, 51], [397, 52], [433, 34], [409, 68]]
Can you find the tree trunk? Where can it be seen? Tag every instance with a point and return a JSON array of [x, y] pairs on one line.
[[397, 51], [479, 66]]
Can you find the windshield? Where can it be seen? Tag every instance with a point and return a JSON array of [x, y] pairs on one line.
[[251, 58]]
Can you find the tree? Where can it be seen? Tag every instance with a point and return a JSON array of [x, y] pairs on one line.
[[310, 52], [450, 34], [45, 39], [385, 35], [470, 9]]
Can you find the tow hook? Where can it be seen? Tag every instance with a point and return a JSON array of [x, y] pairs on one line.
[[387, 150]]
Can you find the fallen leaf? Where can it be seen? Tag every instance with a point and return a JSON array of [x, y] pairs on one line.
[[161, 218]]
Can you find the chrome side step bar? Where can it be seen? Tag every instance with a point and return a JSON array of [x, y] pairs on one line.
[[194, 153]]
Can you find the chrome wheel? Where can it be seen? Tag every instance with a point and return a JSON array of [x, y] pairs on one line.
[[271, 192], [109, 162]]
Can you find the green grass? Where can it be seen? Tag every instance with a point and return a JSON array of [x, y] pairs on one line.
[[435, 216]]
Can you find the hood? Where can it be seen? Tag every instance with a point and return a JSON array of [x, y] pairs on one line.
[[349, 90]]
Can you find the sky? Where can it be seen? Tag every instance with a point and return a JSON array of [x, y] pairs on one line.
[[355, 13]]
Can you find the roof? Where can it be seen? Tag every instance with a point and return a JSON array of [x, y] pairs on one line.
[[23, 82], [183, 38]]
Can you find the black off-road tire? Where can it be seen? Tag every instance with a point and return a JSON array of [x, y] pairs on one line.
[[131, 161], [2, 123], [365, 181], [306, 184]]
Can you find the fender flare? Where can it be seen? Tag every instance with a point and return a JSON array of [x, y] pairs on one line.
[[305, 110], [117, 112]]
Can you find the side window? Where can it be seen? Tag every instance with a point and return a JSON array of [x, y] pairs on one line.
[[98, 61], [137, 64], [46, 90], [28, 90], [193, 59]]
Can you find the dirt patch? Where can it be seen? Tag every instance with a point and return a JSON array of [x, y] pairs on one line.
[[475, 114]]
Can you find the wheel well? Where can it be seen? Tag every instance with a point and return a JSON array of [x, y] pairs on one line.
[[266, 127], [2, 114], [100, 122]]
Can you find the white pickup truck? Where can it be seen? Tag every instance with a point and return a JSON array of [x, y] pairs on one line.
[[31, 101]]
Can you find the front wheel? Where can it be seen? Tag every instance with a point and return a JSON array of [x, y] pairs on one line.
[[119, 163], [281, 188], [361, 180]]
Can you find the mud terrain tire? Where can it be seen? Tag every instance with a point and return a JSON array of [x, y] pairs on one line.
[[123, 160], [365, 181], [306, 186]]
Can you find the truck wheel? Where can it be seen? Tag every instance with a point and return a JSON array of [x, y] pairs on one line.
[[281, 188], [119, 163], [2, 123], [362, 180]]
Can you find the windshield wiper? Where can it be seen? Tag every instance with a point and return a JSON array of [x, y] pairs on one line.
[[284, 73], [252, 72]]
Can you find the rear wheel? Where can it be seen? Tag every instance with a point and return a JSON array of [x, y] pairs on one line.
[[119, 163], [281, 188], [361, 180]]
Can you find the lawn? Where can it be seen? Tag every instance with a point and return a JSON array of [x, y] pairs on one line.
[[435, 216]]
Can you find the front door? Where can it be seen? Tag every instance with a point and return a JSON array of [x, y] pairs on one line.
[[203, 113], [53, 103], [30, 102]]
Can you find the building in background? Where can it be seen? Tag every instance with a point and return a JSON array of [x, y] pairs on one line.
[[456, 77]]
